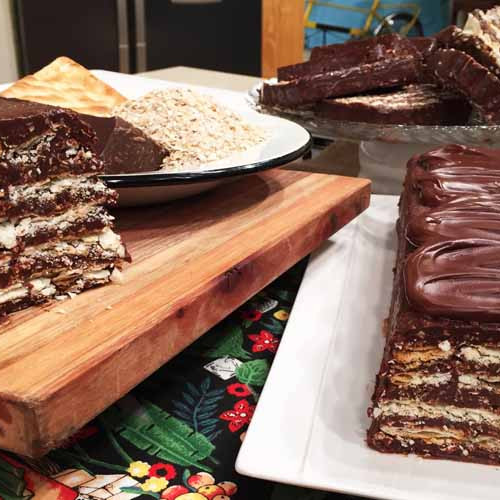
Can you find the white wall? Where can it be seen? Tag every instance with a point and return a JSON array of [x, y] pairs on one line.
[[8, 65]]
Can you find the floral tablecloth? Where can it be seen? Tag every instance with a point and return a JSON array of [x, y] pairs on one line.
[[175, 436]]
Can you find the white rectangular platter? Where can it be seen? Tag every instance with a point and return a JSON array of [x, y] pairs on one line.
[[310, 424]]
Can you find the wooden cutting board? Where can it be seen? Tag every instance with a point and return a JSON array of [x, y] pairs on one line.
[[194, 262]]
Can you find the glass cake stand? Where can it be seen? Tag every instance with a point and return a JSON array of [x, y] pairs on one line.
[[384, 150]]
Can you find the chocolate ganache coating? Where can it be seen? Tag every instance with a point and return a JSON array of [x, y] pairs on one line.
[[463, 217], [454, 171], [456, 279]]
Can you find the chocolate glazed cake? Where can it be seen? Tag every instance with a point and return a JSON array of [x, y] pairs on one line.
[[438, 388], [55, 234]]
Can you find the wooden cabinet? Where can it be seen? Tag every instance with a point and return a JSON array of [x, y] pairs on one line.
[[282, 34]]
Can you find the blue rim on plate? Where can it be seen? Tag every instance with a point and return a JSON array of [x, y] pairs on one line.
[[165, 178]]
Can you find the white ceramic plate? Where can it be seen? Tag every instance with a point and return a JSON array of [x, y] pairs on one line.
[[309, 426], [287, 142]]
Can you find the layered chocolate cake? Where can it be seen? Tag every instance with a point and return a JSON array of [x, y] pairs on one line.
[[415, 104], [56, 236], [438, 388]]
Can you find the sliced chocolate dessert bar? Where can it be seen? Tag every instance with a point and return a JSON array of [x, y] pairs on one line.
[[461, 73], [349, 54], [373, 49], [415, 104], [395, 72], [475, 46]]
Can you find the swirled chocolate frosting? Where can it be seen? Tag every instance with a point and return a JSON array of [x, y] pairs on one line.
[[454, 171], [464, 217], [456, 279]]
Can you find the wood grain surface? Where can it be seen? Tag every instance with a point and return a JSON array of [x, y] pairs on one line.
[[282, 35], [194, 262]]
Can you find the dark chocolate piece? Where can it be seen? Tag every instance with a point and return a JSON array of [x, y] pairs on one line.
[[130, 150], [124, 148], [415, 104], [342, 56], [453, 37], [459, 72], [38, 142], [424, 44], [354, 80], [353, 52]]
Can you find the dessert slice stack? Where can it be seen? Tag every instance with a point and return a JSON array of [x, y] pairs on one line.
[[56, 236]]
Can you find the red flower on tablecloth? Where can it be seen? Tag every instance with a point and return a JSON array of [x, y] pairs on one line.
[[264, 341], [237, 389], [79, 435], [162, 470], [240, 415], [251, 315]]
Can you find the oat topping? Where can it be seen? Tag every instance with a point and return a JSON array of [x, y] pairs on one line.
[[192, 126]]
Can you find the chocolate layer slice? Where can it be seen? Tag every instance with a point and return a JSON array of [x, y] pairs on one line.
[[453, 37], [353, 80], [39, 290], [461, 73], [371, 49], [415, 104], [52, 197], [345, 55], [39, 142], [44, 260], [16, 234]]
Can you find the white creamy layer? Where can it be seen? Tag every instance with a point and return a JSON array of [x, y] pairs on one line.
[[11, 231], [481, 355], [416, 378], [418, 409], [427, 433], [107, 240], [39, 286], [47, 287], [49, 189]]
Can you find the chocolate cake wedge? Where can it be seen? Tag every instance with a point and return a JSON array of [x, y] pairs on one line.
[[437, 391], [55, 233]]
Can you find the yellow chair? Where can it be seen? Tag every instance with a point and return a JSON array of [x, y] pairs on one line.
[[403, 19]]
